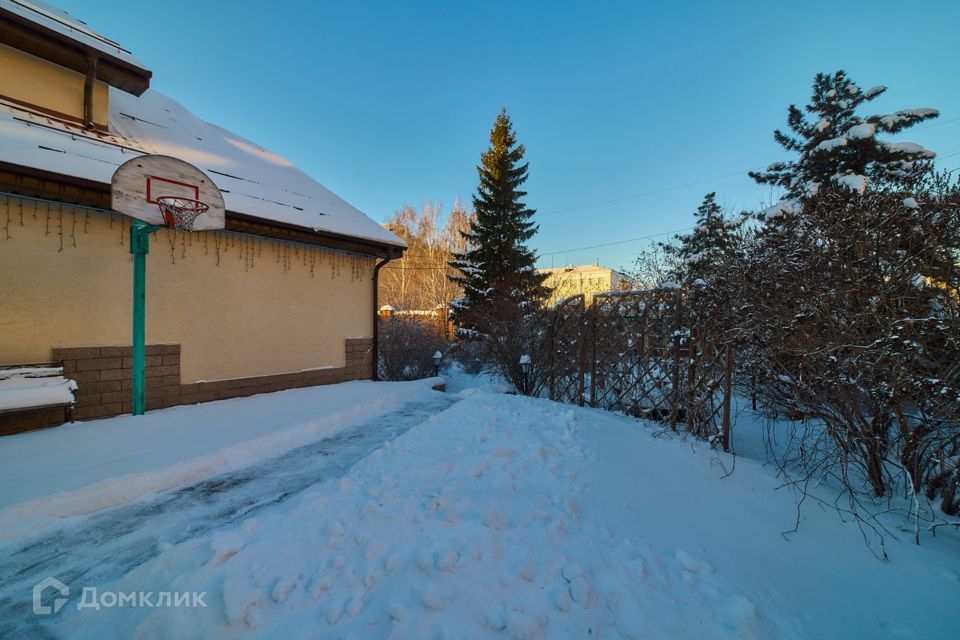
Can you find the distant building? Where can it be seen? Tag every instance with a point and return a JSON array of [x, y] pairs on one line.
[[589, 279]]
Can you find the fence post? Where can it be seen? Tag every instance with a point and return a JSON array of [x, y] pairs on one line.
[[691, 390], [675, 373], [581, 351], [551, 352], [727, 376], [440, 316], [592, 333]]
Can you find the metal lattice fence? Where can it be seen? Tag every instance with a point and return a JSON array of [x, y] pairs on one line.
[[565, 351], [651, 354]]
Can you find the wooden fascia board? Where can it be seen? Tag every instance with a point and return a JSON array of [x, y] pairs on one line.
[[44, 184], [18, 32]]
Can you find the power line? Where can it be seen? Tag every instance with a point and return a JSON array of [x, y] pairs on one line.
[[611, 244], [948, 155], [553, 253], [640, 195], [643, 194], [705, 180], [937, 124]]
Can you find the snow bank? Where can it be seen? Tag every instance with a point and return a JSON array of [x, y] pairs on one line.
[[507, 516], [83, 467], [471, 525]]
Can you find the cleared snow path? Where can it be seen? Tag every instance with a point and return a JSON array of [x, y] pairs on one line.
[[49, 475], [104, 546]]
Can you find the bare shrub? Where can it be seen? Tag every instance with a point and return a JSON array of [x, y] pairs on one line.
[[471, 354], [407, 346], [506, 329]]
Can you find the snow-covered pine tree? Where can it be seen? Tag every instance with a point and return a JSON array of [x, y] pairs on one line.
[[700, 253], [497, 267], [836, 145]]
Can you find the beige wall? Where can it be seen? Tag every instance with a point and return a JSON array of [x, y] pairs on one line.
[[33, 80], [586, 280], [66, 278], [570, 283]]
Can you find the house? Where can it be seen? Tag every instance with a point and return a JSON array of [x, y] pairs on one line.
[[283, 296], [589, 279]]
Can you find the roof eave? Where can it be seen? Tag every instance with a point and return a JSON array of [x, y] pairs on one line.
[[20, 33], [62, 188]]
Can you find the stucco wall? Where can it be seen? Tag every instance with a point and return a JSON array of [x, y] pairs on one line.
[[238, 306], [33, 80], [569, 283]]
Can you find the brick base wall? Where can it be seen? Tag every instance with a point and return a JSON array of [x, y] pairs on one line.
[[104, 379]]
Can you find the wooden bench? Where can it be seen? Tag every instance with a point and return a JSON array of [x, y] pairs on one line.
[[34, 395]]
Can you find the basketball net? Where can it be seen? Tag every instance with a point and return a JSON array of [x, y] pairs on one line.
[[180, 213]]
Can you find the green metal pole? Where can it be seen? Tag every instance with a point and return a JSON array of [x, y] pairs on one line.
[[139, 246]]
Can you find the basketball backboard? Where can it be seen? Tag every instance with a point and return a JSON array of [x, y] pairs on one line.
[[138, 183]]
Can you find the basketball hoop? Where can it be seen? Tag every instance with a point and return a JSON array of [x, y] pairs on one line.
[[188, 201], [180, 213]]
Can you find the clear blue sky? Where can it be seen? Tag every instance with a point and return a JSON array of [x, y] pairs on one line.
[[391, 103]]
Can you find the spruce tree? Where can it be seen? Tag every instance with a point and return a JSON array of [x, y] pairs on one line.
[[838, 146], [497, 267], [700, 253]]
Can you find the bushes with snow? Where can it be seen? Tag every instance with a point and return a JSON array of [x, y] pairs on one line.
[[851, 309], [843, 300]]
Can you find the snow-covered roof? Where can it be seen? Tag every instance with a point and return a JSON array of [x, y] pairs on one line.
[[254, 181], [59, 21]]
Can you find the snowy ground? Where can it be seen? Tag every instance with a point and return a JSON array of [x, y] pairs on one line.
[[43, 479], [478, 514]]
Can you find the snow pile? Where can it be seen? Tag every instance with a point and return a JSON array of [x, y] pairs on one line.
[[470, 525], [43, 479], [506, 516], [18, 392], [27, 387]]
